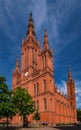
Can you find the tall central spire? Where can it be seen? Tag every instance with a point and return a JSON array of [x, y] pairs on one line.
[[30, 33]]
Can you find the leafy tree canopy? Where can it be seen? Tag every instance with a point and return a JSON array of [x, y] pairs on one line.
[[7, 108], [23, 102], [36, 115], [79, 115]]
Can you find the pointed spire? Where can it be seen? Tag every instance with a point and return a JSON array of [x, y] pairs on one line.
[[17, 65], [30, 32], [45, 39], [45, 36], [69, 74]]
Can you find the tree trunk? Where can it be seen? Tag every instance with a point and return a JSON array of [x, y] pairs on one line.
[[36, 123], [7, 121], [25, 121]]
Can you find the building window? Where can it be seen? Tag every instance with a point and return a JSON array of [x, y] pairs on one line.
[[71, 103], [50, 81], [45, 104], [36, 89], [71, 92], [33, 56], [51, 104], [44, 83], [44, 61], [37, 105]]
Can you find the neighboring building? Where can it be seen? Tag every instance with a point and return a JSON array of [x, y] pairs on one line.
[[37, 76]]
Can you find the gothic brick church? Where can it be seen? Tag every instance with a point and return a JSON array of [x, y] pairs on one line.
[[36, 75]]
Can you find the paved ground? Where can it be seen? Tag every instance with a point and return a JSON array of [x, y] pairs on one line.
[[76, 127], [46, 128]]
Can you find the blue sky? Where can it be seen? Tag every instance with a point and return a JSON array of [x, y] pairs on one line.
[[61, 18]]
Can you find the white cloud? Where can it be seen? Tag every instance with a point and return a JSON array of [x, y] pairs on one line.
[[62, 86], [59, 19], [18, 11], [40, 13], [78, 87]]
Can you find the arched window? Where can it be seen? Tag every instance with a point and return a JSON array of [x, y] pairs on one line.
[[35, 89], [71, 92], [71, 103], [37, 105], [44, 61], [44, 83], [45, 104], [33, 56], [50, 103]]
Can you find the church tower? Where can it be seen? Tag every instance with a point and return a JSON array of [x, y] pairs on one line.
[[36, 75], [71, 90], [28, 44], [37, 71], [47, 53], [16, 75], [71, 94], [34, 58]]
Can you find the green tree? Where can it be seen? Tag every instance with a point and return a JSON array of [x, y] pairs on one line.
[[24, 104], [79, 115], [7, 108], [36, 116]]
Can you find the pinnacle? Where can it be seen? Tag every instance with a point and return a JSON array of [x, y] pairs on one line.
[[69, 74], [30, 32], [30, 14], [17, 62], [45, 33], [45, 39]]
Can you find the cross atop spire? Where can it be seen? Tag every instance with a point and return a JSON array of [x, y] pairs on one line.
[[30, 32]]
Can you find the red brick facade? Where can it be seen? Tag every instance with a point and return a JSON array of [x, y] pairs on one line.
[[37, 76]]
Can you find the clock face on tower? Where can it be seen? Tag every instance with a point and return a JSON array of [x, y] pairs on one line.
[[26, 74]]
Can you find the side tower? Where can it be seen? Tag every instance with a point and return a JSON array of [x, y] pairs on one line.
[[71, 94], [16, 75], [47, 54]]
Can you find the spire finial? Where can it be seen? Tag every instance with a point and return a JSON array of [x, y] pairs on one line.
[[30, 15], [69, 73], [45, 32], [30, 32]]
